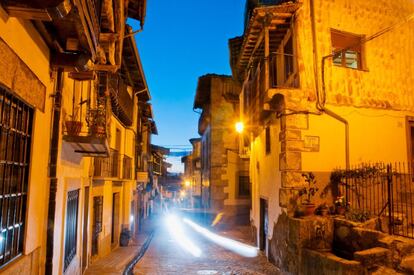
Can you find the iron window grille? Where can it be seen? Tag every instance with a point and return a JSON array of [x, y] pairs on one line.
[[97, 222], [71, 227], [15, 142]]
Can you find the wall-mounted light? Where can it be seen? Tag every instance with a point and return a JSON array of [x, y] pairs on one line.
[[239, 127]]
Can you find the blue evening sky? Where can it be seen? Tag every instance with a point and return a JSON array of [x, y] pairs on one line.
[[181, 41]]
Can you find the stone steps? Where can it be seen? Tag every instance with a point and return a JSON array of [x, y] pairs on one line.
[[407, 264], [373, 257]]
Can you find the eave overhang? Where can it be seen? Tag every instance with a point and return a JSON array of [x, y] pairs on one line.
[[277, 18], [137, 10], [131, 69]]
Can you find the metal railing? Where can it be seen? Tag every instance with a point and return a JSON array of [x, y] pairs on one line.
[[71, 231], [383, 190], [107, 167], [16, 120]]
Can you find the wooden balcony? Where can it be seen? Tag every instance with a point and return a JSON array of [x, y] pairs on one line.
[[121, 102], [260, 88], [87, 133]]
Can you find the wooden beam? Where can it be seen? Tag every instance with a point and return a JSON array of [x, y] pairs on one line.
[[108, 37], [267, 55], [106, 68]]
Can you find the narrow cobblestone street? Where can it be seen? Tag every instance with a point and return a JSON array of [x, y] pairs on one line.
[[166, 256]]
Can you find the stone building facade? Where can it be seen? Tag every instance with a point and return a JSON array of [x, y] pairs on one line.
[[325, 85], [68, 132], [222, 170]]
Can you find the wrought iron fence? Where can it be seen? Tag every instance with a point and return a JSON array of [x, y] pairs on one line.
[[383, 190]]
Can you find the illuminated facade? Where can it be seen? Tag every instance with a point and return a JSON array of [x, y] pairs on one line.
[[224, 174], [72, 113], [325, 85]]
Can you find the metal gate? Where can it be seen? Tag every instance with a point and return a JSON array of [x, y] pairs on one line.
[[383, 190]]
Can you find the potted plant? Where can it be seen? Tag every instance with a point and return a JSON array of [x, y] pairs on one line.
[[309, 191], [73, 125], [323, 209], [97, 123], [340, 205]]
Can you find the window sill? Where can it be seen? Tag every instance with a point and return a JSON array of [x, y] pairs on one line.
[[355, 69]]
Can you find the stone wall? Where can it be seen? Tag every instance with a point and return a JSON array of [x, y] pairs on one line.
[[26, 264], [17, 76], [292, 235]]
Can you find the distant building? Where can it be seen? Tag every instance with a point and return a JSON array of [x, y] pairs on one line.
[[192, 172], [224, 174]]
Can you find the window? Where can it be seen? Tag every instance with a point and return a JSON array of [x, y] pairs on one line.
[[348, 49], [267, 137], [15, 139], [288, 55], [71, 227], [244, 186]]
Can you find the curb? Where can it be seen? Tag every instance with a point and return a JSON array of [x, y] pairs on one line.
[[130, 266]]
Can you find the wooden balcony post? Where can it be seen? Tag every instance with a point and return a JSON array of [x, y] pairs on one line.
[[267, 53]]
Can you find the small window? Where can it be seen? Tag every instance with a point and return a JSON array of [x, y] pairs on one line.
[[244, 186], [71, 227], [268, 149], [347, 49]]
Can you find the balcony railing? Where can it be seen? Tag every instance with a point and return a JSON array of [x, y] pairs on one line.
[[127, 168], [282, 75], [121, 101], [107, 167], [90, 111]]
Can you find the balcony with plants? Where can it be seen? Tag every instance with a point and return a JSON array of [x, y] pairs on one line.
[[86, 123]]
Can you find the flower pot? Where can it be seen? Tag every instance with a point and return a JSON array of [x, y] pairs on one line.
[[340, 210], [324, 212], [98, 130], [308, 209], [73, 127]]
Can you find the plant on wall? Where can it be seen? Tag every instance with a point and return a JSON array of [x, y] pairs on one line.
[[311, 189], [308, 192]]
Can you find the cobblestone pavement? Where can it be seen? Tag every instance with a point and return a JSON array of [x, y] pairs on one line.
[[165, 256]]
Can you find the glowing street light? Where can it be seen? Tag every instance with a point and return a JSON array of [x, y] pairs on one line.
[[182, 194], [187, 183], [239, 127]]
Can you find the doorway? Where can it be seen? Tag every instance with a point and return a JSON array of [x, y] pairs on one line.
[[97, 223], [115, 219], [263, 224]]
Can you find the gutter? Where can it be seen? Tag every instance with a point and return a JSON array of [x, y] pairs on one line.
[[321, 105], [53, 156]]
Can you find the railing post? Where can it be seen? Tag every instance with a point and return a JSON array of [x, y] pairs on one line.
[[390, 201]]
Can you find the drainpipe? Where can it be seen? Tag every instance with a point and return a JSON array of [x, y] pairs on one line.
[[53, 155], [321, 105]]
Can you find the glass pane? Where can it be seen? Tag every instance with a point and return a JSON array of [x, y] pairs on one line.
[[351, 59], [337, 59]]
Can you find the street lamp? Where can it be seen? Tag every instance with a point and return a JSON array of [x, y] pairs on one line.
[[187, 183], [239, 127]]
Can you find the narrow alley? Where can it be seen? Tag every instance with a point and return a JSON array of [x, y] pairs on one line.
[[166, 256]]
